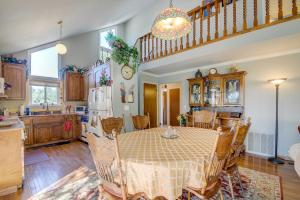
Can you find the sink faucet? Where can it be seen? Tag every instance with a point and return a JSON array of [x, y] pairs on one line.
[[46, 105]]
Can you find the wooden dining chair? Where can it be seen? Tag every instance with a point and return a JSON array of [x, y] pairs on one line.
[[214, 168], [106, 154], [141, 122], [231, 166], [113, 123], [204, 119]]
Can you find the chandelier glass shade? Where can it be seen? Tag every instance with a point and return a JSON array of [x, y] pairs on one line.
[[60, 47], [171, 23]]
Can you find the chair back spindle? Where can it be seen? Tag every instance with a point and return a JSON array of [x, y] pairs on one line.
[[204, 119]]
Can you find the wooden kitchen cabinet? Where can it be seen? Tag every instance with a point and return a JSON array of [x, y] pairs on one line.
[[57, 132], [15, 75], [12, 159], [43, 130], [42, 133], [74, 87]]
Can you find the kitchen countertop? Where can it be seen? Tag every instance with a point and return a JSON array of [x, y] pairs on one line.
[[48, 115], [18, 126]]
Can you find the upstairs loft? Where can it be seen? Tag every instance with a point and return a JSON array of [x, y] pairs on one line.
[[237, 30]]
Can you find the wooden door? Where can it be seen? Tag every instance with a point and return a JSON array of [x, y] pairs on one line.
[[74, 83], [165, 108], [150, 103], [174, 106], [14, 74]]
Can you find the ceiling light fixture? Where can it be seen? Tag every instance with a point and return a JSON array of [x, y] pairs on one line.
[[60, 47], [171, 23]]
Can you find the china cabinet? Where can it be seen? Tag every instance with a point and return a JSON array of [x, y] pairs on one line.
[[221, 93], [217, 90]]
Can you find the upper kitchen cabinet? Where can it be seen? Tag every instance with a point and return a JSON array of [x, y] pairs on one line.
[[15, 75], [74, 87]]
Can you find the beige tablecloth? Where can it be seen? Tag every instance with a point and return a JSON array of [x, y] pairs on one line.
[[162, 167]]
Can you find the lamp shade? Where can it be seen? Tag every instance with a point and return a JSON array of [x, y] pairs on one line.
[[61, 49], [171, 23], [277, 81]]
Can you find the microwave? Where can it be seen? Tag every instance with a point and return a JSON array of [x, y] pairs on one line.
[[80, 110]]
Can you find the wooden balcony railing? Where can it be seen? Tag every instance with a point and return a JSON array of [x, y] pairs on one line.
[[217, 21]]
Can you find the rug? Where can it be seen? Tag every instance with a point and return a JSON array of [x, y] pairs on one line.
[[256, 185], [36, 156]]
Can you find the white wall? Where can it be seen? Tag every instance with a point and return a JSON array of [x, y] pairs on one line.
[[83, 50], [119, 108], [260, 96]]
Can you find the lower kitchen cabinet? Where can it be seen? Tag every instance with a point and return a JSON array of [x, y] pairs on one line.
[[42, 133], [42, 130]]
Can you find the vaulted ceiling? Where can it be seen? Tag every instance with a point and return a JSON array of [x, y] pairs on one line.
[[30, 23]]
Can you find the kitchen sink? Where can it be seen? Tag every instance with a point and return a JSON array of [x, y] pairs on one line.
[[57, 112]]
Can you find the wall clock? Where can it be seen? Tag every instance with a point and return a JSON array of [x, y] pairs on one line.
[[213, 71], [127, 72]]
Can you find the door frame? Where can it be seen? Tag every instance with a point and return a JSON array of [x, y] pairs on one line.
[[160, 102]]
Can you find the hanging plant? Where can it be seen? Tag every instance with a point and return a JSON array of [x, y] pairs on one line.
[[122, 53], [72, 68]]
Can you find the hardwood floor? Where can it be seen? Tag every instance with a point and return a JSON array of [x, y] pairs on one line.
[[64, 159]]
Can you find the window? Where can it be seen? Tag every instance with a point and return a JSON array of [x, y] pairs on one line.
[[44, 94], [105, 49], [103, 34], [44, 63], [44, 82]]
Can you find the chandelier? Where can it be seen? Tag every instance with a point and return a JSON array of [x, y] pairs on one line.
[[171, 23], [60, 47]]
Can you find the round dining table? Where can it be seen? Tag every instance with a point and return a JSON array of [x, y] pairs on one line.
[[162, 167]]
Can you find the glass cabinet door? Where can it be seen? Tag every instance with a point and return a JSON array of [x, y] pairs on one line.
[[213, 91], [233, 93], [196, 93]]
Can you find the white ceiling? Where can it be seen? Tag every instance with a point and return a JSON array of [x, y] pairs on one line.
[[29, 23]]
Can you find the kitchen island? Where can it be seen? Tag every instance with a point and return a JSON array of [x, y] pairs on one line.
[[11, 156]]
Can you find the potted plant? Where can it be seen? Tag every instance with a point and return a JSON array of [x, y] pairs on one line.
[[122, 53], [182, 119]]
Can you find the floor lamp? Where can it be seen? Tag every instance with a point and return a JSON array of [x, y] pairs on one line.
[[277, 83]]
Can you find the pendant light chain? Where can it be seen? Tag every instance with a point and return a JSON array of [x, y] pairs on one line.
[[171, 3], [60, 30]]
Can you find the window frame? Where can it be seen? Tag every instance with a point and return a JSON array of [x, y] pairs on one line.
[[45, 92], [43, 81], [106, 30]]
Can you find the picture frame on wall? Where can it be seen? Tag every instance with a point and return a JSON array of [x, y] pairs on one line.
[[212, 8], [228, 2]]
